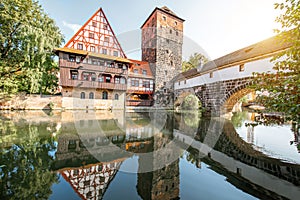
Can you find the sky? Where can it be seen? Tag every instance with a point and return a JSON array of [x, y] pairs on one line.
[[212, 27]]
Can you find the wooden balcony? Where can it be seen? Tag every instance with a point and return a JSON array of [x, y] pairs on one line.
[[90, 67], [92, 84], [139, 102], [139, 90]]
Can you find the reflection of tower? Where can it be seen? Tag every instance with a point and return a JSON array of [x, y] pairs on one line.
[[161, 183], [162, 39]]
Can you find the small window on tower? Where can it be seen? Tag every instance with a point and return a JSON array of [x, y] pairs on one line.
[[164, 18], [175, 23], [170, 31], [91, 35], [177, 33], [94, 24], [79, 46]]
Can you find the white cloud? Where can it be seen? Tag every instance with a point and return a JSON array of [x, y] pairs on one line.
[[73, 27]]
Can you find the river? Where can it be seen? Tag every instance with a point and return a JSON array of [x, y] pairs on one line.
[[147, 155]]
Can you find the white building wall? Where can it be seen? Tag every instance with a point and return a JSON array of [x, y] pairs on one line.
[[229, 73]]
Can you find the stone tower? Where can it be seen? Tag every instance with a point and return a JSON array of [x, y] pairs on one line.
[[162, 38]]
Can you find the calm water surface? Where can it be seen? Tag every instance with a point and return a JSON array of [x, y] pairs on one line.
[[150, 155]]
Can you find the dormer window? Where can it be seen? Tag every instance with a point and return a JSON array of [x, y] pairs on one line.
[[144, 72], [136, 71]]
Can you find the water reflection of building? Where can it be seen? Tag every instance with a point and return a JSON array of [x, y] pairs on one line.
[[160, 182], [90, 152], [91, 182]]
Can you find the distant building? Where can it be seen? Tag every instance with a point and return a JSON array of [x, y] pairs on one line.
[[96, 74]]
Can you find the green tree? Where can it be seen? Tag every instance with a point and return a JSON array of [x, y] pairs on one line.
[[194, 61], [26, 160], [283, 87], [27, 38]]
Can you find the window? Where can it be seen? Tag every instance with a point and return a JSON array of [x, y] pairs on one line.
[[144, 72], [93, 77], [167, 51], [179, 83], [104, 51], [94, 24], [135, 83], [135, 71], [175, 23], [116, 53], [184, 81], [105, 26], [72, 58], [164, 18], [92, 48], [116, 97], [211, 75], [106, 41], [85, 76], [82, 95], [170, 31], [117, 80], [168, 41], [100, 79], [177, 33], [104, 95], [74, 75], [91, 95], [79, 46], [123, 80], [166, 72], [91, 35], [146, 84], [242, 68], [107, 79]]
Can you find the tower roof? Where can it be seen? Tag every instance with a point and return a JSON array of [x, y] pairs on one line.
[[165, 10]]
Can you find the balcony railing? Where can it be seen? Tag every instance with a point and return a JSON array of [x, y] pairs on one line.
[[87, 67], [92, 84], [139, 102]]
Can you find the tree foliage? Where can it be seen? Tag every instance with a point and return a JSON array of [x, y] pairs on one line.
[[282, 89], [26, 160], [194, 61], [27, 38]]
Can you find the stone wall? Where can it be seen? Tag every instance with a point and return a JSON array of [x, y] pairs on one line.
[[219, 97], [31, 102]]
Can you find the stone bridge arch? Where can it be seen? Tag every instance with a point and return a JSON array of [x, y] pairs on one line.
[[234, 95], [180, 95]]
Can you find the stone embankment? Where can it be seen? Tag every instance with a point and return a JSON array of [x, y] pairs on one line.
[[31, 102]]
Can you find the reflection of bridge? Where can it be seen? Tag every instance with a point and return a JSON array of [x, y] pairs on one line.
[[262, 175], [220, 83]]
